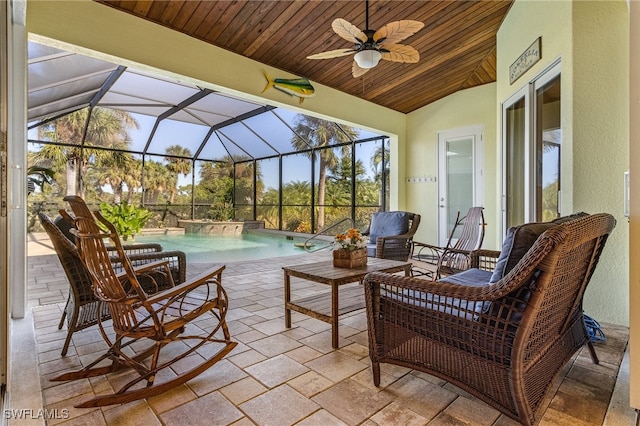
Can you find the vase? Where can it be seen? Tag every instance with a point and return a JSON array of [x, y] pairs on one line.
[[350, 258]]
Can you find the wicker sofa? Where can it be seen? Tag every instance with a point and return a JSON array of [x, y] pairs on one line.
[[81, 310], [502, 330]]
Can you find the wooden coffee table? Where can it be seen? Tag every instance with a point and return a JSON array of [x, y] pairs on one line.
[[329, 306]]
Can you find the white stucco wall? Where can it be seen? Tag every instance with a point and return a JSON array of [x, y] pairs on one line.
[[601, 142], [591, 40]]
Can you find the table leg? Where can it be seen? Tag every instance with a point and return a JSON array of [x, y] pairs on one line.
[[287, 299], [334, 316]]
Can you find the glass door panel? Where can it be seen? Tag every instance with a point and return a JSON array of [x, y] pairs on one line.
[[548, 143], [460, 184], [515, 153], [459, 179]]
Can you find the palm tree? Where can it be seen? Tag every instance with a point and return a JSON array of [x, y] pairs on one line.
[[157, 179], [376, 159], [112, 172], [133, 179], [107, 128], [316, 133], [296, 197], [177, 165]]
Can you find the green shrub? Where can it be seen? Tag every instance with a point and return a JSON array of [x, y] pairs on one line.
[[127, 219]]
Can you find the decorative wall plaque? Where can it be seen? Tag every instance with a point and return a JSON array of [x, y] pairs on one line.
[[526, 60]]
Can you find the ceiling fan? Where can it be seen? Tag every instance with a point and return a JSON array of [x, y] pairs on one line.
[[371, 46]]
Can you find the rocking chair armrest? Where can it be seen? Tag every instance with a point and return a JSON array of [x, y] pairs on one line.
[[187, 286], [427, 252], [425, 245]]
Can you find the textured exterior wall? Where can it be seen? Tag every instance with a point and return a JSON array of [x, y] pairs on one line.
[[590, 38], [601, 142], [469, 107], [634, 219]]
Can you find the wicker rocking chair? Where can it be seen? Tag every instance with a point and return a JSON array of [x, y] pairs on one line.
[[502, 336], [145, 324]]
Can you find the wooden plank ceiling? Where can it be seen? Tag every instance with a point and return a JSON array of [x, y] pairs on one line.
[[457, 45]]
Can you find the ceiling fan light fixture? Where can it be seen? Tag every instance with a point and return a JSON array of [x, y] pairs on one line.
[[368, 58]]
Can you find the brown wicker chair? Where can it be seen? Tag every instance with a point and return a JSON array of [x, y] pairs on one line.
[[82, 307], [146, 324], [504, 341], [397, 246], [468, 233]]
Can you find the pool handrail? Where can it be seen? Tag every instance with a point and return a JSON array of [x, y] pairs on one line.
[[308, 247]]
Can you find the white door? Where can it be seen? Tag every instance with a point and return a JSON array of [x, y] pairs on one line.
[[460, 174]]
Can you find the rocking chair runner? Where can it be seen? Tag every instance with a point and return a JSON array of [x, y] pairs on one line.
[[138, 318]]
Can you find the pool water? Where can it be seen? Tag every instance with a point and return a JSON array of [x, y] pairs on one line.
[[201, 248]]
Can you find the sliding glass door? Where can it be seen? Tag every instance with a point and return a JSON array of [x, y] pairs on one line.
[[532, 141]]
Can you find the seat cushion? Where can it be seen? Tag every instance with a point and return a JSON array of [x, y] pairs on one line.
[[371, 249], [473, 277], [453, 306], [384, 224]]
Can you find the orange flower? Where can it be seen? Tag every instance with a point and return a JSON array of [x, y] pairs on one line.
[[352, 240]]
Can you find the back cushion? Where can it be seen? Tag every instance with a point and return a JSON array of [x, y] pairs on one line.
[[65, 226], [384, 224], [517, 242], [570, 217]]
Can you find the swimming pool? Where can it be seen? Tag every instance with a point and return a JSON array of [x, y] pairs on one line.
[[201, 248]]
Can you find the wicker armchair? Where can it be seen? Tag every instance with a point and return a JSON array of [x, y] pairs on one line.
[[502, 336], [81, 310], [391, 235]]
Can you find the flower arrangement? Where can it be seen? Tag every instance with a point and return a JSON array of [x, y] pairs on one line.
[[350, 241]]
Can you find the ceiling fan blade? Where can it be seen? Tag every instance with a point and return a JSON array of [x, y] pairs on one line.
[[400, 53], [348, 31], [357, 71], [331, 54], [396, 31]]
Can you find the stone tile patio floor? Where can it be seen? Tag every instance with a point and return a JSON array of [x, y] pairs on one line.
[[278, 376]]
